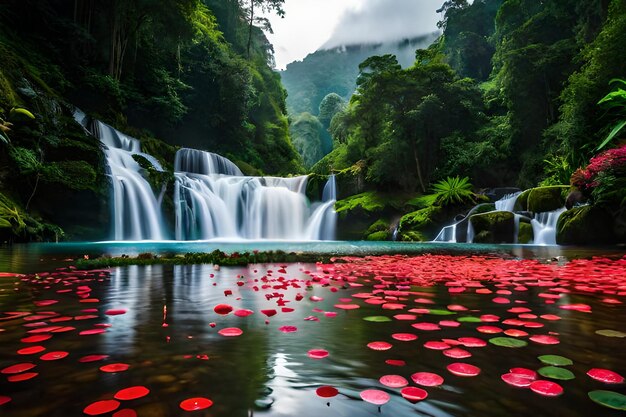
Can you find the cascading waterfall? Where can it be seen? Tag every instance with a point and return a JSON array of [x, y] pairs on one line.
[[212, 197], [219, 202], [507, 203], [544, 227]]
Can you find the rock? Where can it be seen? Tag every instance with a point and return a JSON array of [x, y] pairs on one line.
[[573, 198], [586, 225], [493, 227], [525, 233], [543, 199], [381, 235], [412, 237], [378, 226]]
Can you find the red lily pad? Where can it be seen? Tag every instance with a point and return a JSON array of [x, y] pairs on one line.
[[404, 337], [91, 331], [395, 362], [375, 396], [393, 381], [117, 312], [317, 353], [18, 368], [547, 388], [457, 353], [545, 339], [223, 309], [243, 313], [22, 377], [413, 394], [605, 375], [379, 345], [230, 332], [288, 329], [93, 358], [195, 404], [54, 356], [347, 306], [463, 369], [585, 308], [31, 350], [426, 326], [472, 342], [36, 339], [4, 399], [101, 407], [131, 393], [517, 380], [427, 379], [327, 391], [115, 367], [126, 412], [489, 329], [269, 313], [436, 345], [524, 372]]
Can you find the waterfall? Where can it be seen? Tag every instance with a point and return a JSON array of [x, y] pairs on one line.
[[136, 214], [544, 227], [447, 234], [507, 203], [212, 197], [214, 200], [470, 232]]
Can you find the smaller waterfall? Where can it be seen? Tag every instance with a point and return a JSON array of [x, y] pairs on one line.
[[205, 163], [516, 220], [470, 232], [330, 189], [507, 203], [447, 234], [544, 227]]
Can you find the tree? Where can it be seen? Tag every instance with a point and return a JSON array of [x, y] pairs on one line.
[[252, 8], [329, 107]]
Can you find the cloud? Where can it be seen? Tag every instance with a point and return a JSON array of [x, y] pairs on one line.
[[375, 21]]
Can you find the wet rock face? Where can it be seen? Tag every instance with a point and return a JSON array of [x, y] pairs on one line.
[[587, 225], [493, 227], [544, 199]]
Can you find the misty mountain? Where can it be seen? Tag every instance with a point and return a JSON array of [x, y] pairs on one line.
[[335, 70]]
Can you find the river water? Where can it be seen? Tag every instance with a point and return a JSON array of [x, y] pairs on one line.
[[162, 323]]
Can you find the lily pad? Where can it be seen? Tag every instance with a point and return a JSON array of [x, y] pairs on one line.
[[611, 333], [469, 319], [508, 342], [440, 312], [555, 360], [609, 399], [377, 319], [554, 372]]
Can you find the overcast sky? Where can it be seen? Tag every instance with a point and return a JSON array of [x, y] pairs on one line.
[[312, 24]]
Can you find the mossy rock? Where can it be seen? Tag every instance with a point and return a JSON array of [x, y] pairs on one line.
[[585, 225], [412, 237], [420, 219], [377, 236], [521, 204], [543, 199], [493, 227], [525, 233], [369, 202], [484, 208], [378, 226]]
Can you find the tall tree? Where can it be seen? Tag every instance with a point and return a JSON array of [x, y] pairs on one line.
[[253, 8]]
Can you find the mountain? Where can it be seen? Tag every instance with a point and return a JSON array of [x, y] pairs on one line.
[[335, 70]]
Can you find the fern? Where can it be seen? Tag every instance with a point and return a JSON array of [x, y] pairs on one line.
[[453, 190]]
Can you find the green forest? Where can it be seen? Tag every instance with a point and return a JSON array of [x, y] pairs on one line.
[[513, 93]]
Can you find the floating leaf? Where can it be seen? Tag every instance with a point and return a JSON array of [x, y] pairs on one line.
[[101, 407], [413, 394], [379, 345], [611, 333], [230, 332], [395, 362], [547, 388], [508, 342], [393, 381], [555, 360], [544, 339], [427, 379], [517, 380], [53, 356], [606, 376], [4, 399], [195, 404], [317, 353], [327, 391], [17, 368], [377, 319], [440, 312], [609, 399], [223, 309], [463, 369], [554, 372], [375, 396], [131, 393], [469, 319], [404, 337], [115, 367]]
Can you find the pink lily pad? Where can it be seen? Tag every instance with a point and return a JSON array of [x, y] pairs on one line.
[[393, 381], [457, 353], [395, 362], [375, 396], [517, 380], [547, 388], [404, 337], [545, 339], [427, 379], [317, 353], [288, 329], [379, 345], [413, 394], [605, 375], [463, 369], [230, 332]]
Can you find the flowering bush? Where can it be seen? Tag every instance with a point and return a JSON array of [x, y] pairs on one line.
[[604, 176]]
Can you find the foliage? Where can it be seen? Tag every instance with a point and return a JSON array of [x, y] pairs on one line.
[[309, 138], [453, 190], [10, 215], [604, 179], [369, 202], [616, 101], [557, 170]]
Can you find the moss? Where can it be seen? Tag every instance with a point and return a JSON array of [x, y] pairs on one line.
[[412, 236], [585, 225], [525, 233], [8, 97], [522, 200], [484, 208], [542, 199], [418, 220], [247, 169], [369, 202], [76, 175], [377, 236], [378, 226], [493, 227]]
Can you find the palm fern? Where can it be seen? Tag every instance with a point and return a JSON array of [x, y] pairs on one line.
[[453, 190]]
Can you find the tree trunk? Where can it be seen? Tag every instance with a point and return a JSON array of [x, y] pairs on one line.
[[417, 166], [250, 27], [33, 193]]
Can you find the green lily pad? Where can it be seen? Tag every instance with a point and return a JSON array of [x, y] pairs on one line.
[[554, 372], [441, 312], [469, 319], [609, 399], [508, 342], [377, 319], [555, 360], [611, 333]]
